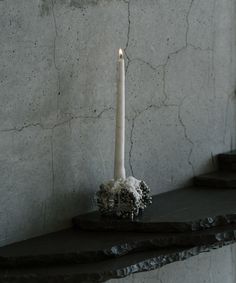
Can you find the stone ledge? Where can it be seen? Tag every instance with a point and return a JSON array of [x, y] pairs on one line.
[[104, 270], [73, 247], [190, 209]]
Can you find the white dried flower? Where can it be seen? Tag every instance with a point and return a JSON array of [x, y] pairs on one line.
[[124, 197]]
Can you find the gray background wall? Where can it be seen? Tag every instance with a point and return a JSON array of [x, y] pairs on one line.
[[58, 85]]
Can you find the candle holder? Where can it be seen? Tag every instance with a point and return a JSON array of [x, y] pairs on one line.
[[123, 198]]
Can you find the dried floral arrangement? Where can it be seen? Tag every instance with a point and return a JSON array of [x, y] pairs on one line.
[[124, 198]]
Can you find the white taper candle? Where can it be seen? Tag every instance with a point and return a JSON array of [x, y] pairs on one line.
[[119, 164]]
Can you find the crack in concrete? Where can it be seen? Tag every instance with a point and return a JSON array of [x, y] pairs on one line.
[[128, 35], [99, 115], [164, 85], [169, 54], [131, 147], [175, 53], [144, 62], [137, 114], [213, 53], [128, 31], [164, 65], [131, 134], [22, 127], [187, 44], [199, 48], [181, 123], [187, 22], [72, 117], [54, 55], [186, 136], [155, 68]]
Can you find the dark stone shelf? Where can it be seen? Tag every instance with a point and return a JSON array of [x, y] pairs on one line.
[[72, 247], [190, 209], [104, 270]]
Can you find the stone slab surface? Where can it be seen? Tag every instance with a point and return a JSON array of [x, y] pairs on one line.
[[71, 246], [104, 270], [190, 209]]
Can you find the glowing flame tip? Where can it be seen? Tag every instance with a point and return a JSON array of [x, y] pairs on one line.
[[120, 53]]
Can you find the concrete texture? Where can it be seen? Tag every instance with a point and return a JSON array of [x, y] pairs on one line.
[[58, 85]]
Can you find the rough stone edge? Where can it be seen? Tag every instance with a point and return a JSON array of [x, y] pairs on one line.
[[147, 264], [121, 249]]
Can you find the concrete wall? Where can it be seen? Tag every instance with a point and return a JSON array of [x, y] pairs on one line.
[[58, 85]]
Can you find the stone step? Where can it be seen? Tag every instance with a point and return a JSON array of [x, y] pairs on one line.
[[219, 179], [227, 161]]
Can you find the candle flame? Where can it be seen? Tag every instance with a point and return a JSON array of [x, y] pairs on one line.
[[120, 53]]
